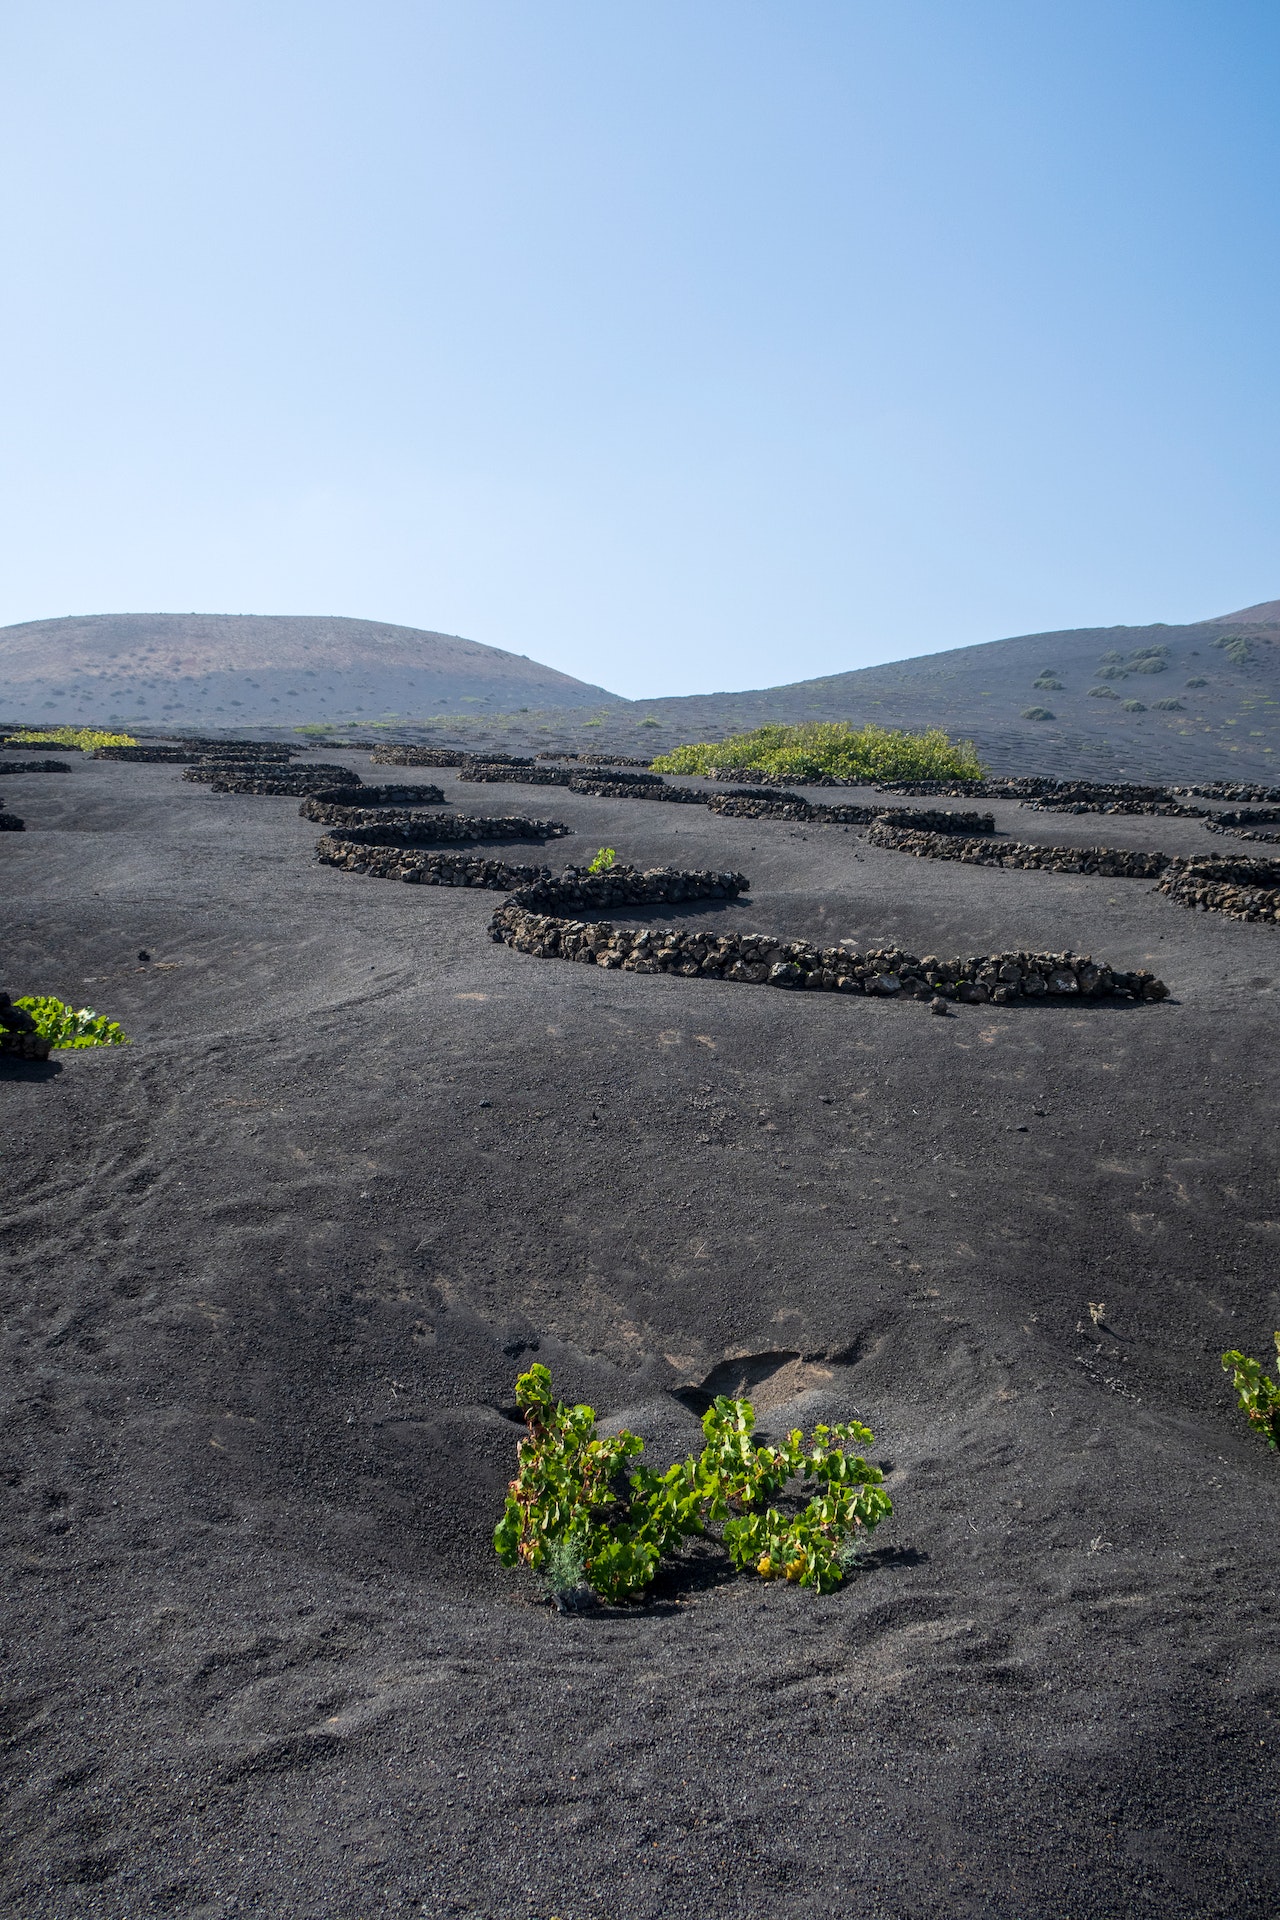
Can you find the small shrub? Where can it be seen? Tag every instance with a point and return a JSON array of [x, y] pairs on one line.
[[1047, 684], [1236, 648], [1149, 663], [64, 1026], [1136, 706], [603, 861], [577, 1503], [1103, 693], [1197, 683], [1037, 713], [1257, 1392], [1113, 672], [651, 723], [1169, 706], [835, 747], [1148, 653], [87, 738]]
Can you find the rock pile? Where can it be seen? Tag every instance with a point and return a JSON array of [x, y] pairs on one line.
[[1119, 863], [34, 766], [387, 756], [9, 822], [1243, 889], [752, 959]]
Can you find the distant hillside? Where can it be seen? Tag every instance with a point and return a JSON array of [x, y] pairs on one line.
[[1146, 702], [224, 670], [1158, 702]]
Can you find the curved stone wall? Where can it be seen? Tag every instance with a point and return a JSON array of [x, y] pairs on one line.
[[750, 959], [333, 808], [34, 766], [1120, 863]]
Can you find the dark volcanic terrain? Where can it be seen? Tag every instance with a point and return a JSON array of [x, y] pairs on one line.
[[270, 1272]]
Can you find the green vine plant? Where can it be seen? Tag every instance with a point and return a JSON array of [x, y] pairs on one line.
[[1258, 1393], [603, 861], [64, 1026], [579, 1506]]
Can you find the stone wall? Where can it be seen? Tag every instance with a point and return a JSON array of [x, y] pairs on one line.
[[628, 788], [1243, 889], [752, 959], [273, 780], [156, 756], [1231, 790], [621, 886], [393, 829], [10, 823], [332, 807], [421, 866], [521, 773], [34, 766], [790, 806], [1119, 863], [418, 757]]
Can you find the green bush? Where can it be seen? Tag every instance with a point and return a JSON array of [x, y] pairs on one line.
[[64, 1026], [1257, 1392], [1236, 647], [603, 861], [1170, 706], [867, 754], [1038, 713], [1103, 693], [1136, 706], [577, 1503], [87, 738]]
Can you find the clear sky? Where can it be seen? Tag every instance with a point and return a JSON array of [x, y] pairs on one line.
[[684, 345]]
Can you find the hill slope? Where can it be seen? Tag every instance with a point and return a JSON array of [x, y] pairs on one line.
[[1109, 711], [180, 669]]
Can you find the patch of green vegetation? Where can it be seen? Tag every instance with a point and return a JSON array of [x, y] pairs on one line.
[[603, 861], [1148, 653], [832, 746], [64, 1026], [1113, 672], [1169, 706], [1149, 663], [651, 722], [593, 723], [1047, 684], [87, 738], [1037, 713], [1132, 706], [1103, 693], [1257, 1392], [1237, 647], [576, 1503], [1197, 683]]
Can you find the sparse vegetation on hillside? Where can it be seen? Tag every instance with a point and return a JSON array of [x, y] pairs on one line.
[[577, 1509], [86, 738], [834, 747]]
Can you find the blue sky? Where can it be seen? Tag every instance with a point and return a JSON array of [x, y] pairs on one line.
[[680, 345]]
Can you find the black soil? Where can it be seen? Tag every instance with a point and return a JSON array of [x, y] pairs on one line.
[[269, 1275]]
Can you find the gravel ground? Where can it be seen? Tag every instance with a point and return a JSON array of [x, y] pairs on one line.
[[269, 1275]]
